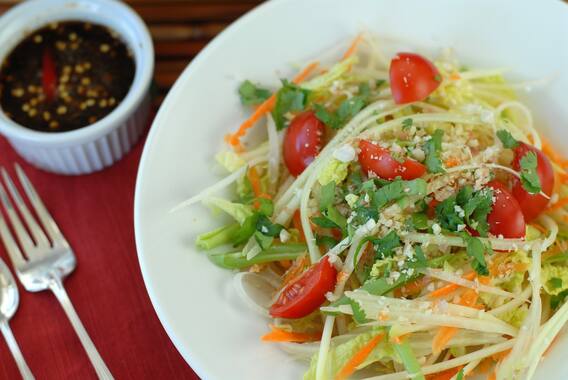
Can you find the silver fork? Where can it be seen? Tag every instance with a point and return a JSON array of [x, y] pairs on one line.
[[48, 257]]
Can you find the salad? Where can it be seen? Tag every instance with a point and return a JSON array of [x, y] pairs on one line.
[[401, 218]]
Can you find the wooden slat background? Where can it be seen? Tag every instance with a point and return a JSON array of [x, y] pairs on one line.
[[180, 29]]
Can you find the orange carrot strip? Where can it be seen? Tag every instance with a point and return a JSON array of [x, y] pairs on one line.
[[445, 375], [265, 107], [254, 181], [555, 156], [351, 50], [539, 227], [451, 162], [358, 358], [445, 334], [280, 335], [492, 376], [297, 223], [561, 203], [445, 290]]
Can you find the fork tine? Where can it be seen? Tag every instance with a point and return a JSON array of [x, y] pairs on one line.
[[44, 216], [10, 244], [23, 237], [35, 229]]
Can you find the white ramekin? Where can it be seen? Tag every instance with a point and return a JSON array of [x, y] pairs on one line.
[[98, 145]]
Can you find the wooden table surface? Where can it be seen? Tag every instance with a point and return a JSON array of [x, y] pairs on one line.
[[180, 29]]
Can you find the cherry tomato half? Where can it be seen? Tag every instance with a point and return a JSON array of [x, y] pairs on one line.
[[302, 142], [506, 217], [306, 293], [378, 160], [533, 204], [412, 78]]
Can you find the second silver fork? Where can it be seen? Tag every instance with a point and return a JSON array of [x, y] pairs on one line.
[[47, 257]]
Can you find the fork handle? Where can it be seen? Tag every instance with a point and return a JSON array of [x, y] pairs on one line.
[[99, 365], [15, 349]]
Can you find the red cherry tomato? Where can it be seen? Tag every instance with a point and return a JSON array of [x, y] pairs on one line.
[[307, 293], [431, 210], [375, 159], [302, 142], [412, 78], [533, 204], [506, 217]]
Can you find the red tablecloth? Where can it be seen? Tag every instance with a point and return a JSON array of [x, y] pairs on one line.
[[95, 213]]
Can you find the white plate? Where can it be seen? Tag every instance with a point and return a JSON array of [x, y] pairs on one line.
[[213, 330]]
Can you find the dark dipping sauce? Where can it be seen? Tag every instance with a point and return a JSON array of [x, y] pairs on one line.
[[65, 76]]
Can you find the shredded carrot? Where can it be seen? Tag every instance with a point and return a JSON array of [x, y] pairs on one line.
[[501, 355], [296, 269], [550, 152], [445, 290], [351, 50], [539, 227], [414, 287], [486, 365], [281, 335], [446, 333], [559, 204], [297, 224], [455, 76], [492, 376], [264, 108], [445, 375], [562, 176], [451, 162], [359, 357], [286, 264], [254, 181]]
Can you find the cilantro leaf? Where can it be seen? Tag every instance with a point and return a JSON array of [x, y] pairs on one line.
[[290, 98], [419, 221], [529, 176], [432, 150], [346, 110], [358, 313], [477, 208], [327, 195], [447, 215], [380, 82], [554, 283], [476, 250], [407, 123], [384, 246], [467, 207], [397, 190], [252, 95], [421, 261], [507, 139], [558, 299]]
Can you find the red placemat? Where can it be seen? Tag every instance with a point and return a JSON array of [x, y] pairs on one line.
[[95, 212]]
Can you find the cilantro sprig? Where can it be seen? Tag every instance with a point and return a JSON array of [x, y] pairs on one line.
[[346, 110], [290, 98], [476, 250], [529, 176], [252, 95], [507, 139], [330, 216], [432, 149], [468, 207]]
